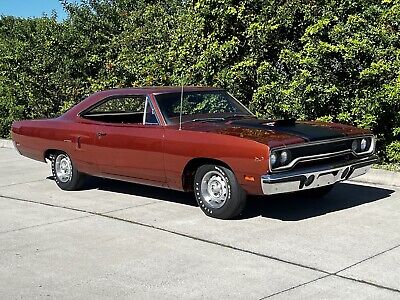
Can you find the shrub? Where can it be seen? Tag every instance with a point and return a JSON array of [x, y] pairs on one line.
[[336, 60], [393, 152]]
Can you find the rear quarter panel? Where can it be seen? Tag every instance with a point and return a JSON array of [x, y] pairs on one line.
[[32, 138]]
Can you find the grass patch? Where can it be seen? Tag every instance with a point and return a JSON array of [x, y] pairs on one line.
[[387, 166]]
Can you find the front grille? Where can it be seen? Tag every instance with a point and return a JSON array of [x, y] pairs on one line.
[[320, 148], [321, 152], [326, 160]]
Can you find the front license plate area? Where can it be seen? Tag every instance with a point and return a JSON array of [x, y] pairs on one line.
[[325, 179]]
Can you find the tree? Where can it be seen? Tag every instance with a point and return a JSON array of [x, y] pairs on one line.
[[329, 60]]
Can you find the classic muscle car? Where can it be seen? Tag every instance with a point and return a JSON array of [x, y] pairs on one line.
[[194, 139]]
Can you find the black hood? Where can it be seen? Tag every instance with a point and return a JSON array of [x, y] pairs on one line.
[[307, 131]]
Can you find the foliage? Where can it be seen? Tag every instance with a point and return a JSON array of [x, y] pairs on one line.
[[395, 167], [393, 152], [336, 60]]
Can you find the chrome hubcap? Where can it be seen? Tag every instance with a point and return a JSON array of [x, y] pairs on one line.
[[214, 189], [63, 168]]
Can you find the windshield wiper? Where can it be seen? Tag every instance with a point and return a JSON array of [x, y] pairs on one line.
[[234, 116], [206, 119]]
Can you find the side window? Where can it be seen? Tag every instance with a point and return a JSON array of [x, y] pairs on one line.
[[131, 104], [123, 110], [150, 117]]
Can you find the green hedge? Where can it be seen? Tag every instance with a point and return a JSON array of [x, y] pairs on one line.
[[328, 60]]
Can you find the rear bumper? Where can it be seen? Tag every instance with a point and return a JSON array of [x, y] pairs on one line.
[[309, 178]]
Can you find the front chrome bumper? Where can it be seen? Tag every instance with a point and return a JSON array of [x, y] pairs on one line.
[[309, 178]]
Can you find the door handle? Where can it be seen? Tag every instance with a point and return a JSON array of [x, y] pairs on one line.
[[100, 134]]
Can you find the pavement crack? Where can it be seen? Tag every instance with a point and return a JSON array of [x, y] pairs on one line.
[[369, 283], [128, 207], [295, 287], [44, 224], [368, 258], [172, 232], [18, 183], [327, 273], [344, 276], [335, 275]]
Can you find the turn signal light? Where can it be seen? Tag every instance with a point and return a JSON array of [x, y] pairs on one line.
[[249, 178]]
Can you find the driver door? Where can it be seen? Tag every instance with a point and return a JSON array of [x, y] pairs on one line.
[[129, 139]]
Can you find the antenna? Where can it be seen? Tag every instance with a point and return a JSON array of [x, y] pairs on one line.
[[180, 113]]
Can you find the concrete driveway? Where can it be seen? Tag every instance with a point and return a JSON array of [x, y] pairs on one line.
[[115, 239]]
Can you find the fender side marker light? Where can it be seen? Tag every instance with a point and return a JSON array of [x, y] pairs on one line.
[[249, 178]]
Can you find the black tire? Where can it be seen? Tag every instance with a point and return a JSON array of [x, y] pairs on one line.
[[233, 194], [75, 180]]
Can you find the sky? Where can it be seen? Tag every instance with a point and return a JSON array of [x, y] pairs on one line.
[[31, 8]]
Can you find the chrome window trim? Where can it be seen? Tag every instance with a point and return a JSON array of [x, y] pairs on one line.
[[322, 155], [240, 103], [152, 109], [100, 102], [144, 112], [147, 100]]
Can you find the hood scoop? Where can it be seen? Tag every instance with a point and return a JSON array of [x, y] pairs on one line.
[[281, 123]]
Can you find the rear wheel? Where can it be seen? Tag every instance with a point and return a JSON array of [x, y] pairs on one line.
[[65, 174], [218, 193]]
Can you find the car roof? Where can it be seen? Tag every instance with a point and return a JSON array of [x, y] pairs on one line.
[[155, 90], [162, 89]]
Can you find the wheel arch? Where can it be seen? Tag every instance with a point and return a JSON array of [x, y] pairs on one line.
[[47, 154], [191, 167]]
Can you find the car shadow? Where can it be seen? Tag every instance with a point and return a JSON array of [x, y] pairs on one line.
[[285, 207], [141, 190], [295, 206]]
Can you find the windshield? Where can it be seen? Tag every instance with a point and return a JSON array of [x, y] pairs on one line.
[[199, 105]]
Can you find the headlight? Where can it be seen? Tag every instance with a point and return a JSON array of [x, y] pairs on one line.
[[284, 157], [354, 145], [363, 145], [279, 158], [273, 158]]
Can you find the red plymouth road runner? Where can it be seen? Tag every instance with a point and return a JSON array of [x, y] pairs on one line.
[[194, 139]]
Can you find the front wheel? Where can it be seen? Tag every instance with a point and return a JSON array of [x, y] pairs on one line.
[[218, 193], [65, 174]]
